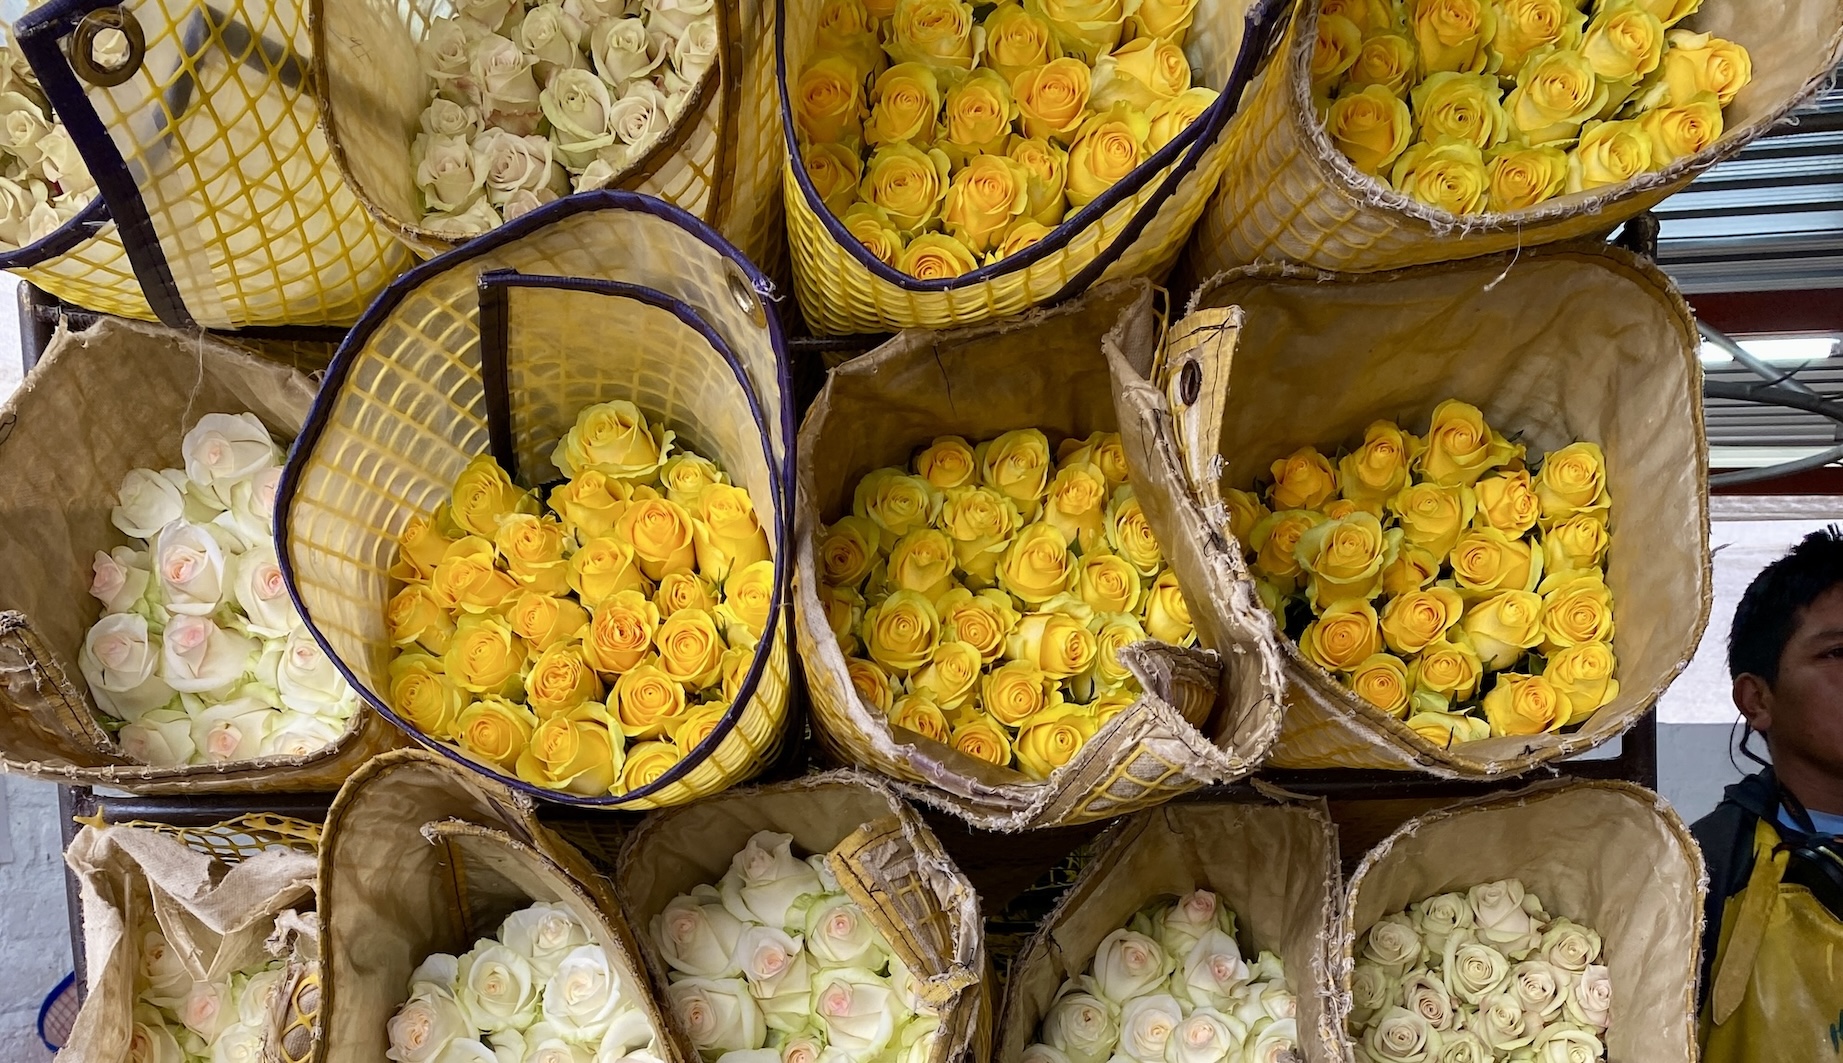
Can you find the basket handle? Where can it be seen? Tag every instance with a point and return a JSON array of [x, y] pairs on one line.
[[1192, 372]]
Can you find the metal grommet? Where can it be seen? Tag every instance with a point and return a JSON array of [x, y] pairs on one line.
[[1189, 383], [117, 34], [744, 293]]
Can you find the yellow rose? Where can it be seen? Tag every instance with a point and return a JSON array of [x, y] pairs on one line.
[[1107, 583], [1343, 636], [1370, 16], [1102, 450], [590, 504], [415, 617], [614, 439], [1453, 34], [1017, 465], [560, 680], [483, 493], [1525, 705], [895, 502], [1669, 12], [748, 594], [1273, 541], [1584, 673], [1573, 482], [981, 738], [1109, 145], [835, 171], [1413, 569], [737, 662], [874, 686], [845, 27], [544, 621], [1413, 620], [947, 462], [1556, 92], [533, 550], [919, 713], [922, 561], [950, 676], [485, 656], [1448, 729], [1486, 561], [420, 547], [1523, 26], [981, 522], [828, 102], [1111, 704], [1344, 557], [1696, 63], [646, 763], [1021, 233], [700, 722], [1173, 116], [683, 590], [981, 620], [1449, 176], [1052, 99], [908, 183], [574, 753], [1371, 126], [1077, 503], [1449, 667], [1334, 51], [1522, 177], [662, 535], [1432, 517], [1382, 680], [495, 730], [1623, 42], [1302, 480], [848, 551], [1017, 690], [1466, 107], [1047, 166], [1167, 19], [1166, 613], [690, 649], [1575, 544], [1681, 131], [424, 696], [936, 256], [1142, 72], [1245, 512], [936, 32], [1502, 628], [620, 635], [1059, 643], [1016, 40], [727, 534], [904, 103], [1084, 28], [983, 198], [1051, 739], [1507, 502], [1461, 447], [901, 632], [1376, 472], [685, 475], [871, 226], [1387, 61], [1130, 535], [1576, 609], [647, 703], [1610, 153], [978, 116], [466, 578], [602, 568], [1037, 566], [1114, 632]]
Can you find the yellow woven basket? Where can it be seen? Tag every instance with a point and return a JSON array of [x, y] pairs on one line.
[[204, 142], [720, 162], [1136, 229], [83, 262], [598, 296], [1288, 195], [1558, 345]]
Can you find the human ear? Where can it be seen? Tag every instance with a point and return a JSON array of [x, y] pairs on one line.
[[1754, 698]]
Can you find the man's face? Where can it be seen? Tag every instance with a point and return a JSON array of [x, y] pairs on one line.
[[1803, 710]]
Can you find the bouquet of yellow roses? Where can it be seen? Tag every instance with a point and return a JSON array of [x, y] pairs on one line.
[[625, 608], [982, 595], [1498, 105], [1445, 579], [945, 137]]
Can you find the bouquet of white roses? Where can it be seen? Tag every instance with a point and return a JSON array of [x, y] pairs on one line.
[[1477, 977], [539, 991], [43, 182], [774, 964], [180, 1019], [534, 100], [200, 654], [1172, 987]]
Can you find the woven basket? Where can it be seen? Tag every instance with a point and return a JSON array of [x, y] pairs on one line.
[[1564, 344], [1609, 855], [720, 161], [84, 263], [1135, 229], [205, 148], [885, 859], [1289, 195], [404, 408], [101, 402], [1271, 859], [424, 857], [875, 411]]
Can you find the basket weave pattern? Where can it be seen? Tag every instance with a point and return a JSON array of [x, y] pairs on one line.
[[95, 274]]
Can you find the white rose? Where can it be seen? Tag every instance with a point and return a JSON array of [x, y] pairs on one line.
[[765, 879], [440, 971], [839, 935], [1400, 1036], [1042, 1053], [200, 657], [465, 1050], [578, 105], [1277, 1042], [232, 730], [238, 1043], [22, 128], [803, 1046], [146, 502], [223, 448], [446, 118], [915, 1036], [1538, 986], [1275, 999], [516, 164], [491, 14], [1393, 943], [671, 17], [556, 1050], [1590, 1002], [119, 658], [775, 966], [1372, 988], [1212, 972], [551, 35], [1464, 1046], [297, 734], [594, 12], [207, 1009], [1082, 1027], [1570, 946], [508, 89], [631, 1032], [119, 578], [261, 593], [1473, 970], [858, 1008], [44, 219], [698, 938], [1146, 1025], [1206, 1036], [447, 170], [476, 216], [903, 982], [189, 563], [259, 997], [639, 117], [584, 995], [447, 52], [524, 201], [623, 50], [1267, 967], [161, 737], [16, 205], [1502, 919], [544, 934], [1181, 924], [1567, 1043], [495, 988], [149, 1040], [1436, 918], [696, 48], [827, 881], [718, 1013], [1424, 994], [308, 680], [604, 168], [1502, 1023], [1128, 965], [161, 977]]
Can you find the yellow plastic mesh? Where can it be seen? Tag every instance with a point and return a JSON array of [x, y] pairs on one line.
[[95, 275], [242, 837]]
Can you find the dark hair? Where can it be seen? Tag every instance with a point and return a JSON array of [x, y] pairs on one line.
[[1768, 613]]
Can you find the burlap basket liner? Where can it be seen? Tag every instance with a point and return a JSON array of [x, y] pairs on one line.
[[1565, 344], [885, 859], [1271, 859], [83, 262], [720, 160], [118, 396], [1193, 726], [422, 856], [206, 148], [213, 892], [1289, 195], [1135, 229], [1609, 855], [600, 296]]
